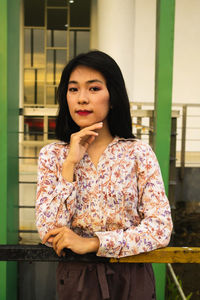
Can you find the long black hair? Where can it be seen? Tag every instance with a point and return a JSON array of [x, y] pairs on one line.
[[119, 117]]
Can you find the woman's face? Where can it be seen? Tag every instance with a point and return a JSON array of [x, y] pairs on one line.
[[87, 96]]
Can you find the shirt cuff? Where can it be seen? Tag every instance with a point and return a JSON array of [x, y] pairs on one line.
[[64, 188], [111, 243]]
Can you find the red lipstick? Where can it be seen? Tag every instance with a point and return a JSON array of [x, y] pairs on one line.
[[83, 112]]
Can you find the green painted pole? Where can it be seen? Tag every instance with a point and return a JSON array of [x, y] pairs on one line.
[[163, 103], [3, 141], [163, 83], [9, 107]]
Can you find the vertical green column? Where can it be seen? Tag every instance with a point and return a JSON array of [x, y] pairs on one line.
[[9, 107], [3, 140], [163, 102]]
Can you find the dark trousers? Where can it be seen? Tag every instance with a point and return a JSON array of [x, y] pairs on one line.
[[117, 281]]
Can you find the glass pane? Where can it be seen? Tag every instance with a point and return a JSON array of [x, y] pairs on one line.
[[27, 47], [56, 19], [56, 2], [34, 48], [50, 66], [38, 48], [40, 87], [29, 154], [28, 191], [33, 13], [51, 95], [56, 38], [83, 41], [33, 86], [29, 238], [27, 218], [29, 86], [56, 60], [80, 14], [33, 128], [61, 60], [71, 44], [51, 128]]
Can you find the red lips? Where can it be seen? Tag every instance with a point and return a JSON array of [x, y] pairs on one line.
[[83, 112]]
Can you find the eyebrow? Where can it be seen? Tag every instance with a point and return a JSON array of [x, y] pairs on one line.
[[89, 81]]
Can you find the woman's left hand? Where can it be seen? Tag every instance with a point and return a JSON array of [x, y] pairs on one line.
[[64, 237]]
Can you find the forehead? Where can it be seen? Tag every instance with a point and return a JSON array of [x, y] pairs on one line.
[[83, 73]]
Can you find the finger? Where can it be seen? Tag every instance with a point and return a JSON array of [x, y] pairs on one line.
[[91, 140], [50, 240], [51, 233], [60, 246], [93, 126], [81, 137], [46, 237], [56, 239], [86, 134]]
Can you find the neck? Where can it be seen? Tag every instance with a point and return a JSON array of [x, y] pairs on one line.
[[104, 137]]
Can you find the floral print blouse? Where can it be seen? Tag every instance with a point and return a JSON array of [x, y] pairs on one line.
[[122, 201]]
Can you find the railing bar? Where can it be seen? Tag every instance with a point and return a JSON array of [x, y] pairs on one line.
[[183, 141], [26, 206], [27, 231], [193, 141], [35, 132], [52, 132], [43, 253], [173, 105], [27, 157], [176, 282], [190, 128], [193, 116], [27, 182], [192, 163]]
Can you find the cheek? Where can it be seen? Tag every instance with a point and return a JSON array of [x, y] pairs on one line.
[[105, 102], [69, 103]]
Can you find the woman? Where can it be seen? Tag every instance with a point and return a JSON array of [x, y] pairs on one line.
[[100, 189]]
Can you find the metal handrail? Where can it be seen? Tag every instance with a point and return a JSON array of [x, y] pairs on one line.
[[43, 253], [184, 115]]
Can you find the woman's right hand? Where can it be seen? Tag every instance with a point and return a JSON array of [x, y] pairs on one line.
[[79, 144]]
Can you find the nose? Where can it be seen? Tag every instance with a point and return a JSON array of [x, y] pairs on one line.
[[83, 99]]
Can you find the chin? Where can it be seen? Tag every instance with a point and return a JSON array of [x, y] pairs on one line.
[[85, 124]]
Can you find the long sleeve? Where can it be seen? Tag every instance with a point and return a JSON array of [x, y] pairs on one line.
[[154, 229], [56, 198]]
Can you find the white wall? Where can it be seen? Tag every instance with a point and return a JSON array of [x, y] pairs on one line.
[[186, 75], [144, 50], [186, 83]]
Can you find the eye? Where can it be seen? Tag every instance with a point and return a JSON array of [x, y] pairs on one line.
[[72, 89], [94, 89]]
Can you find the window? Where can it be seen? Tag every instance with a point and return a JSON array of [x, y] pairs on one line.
[[54, 32]]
